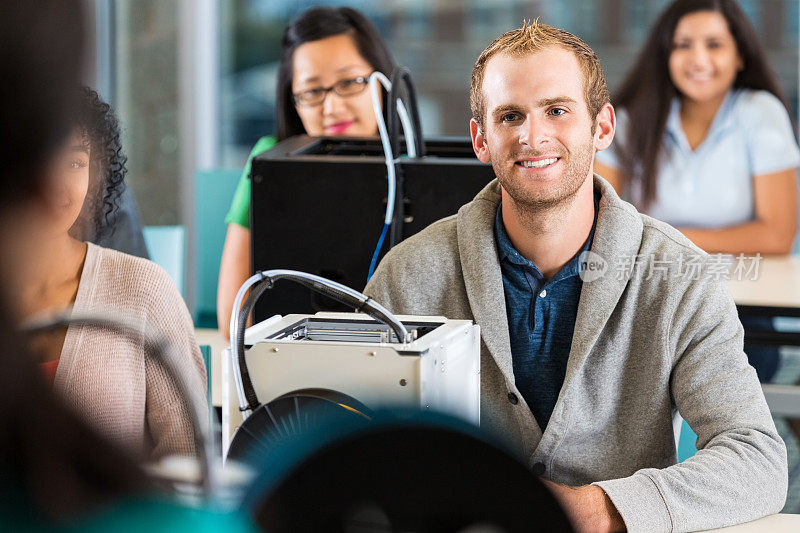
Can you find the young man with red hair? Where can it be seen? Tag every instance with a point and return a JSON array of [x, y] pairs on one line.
[[593, 332]]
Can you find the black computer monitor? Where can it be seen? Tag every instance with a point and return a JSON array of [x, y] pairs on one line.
[[318, 205]]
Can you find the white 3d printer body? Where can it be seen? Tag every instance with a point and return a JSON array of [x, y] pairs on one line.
[[355, 355]]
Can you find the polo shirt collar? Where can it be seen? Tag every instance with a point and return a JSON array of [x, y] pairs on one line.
[[722, 120], [507, 252], [505, 249]]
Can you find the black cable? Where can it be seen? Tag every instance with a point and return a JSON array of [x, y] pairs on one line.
[[345, 299], [393, 125], [402, 83], [247, 307], [414, 112], [340, 293], [244, 314]]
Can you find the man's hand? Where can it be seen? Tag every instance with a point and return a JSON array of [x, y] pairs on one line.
[[588, 507]]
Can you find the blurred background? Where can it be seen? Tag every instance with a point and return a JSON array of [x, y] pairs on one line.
[[193, 81]]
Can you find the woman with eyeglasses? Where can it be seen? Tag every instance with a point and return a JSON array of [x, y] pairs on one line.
[[327, 57]]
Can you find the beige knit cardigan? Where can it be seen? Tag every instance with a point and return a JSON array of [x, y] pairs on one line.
[[105, 376]]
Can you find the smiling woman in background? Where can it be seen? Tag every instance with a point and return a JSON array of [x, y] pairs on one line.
[[704, 140], [104, 376], [327, 57]]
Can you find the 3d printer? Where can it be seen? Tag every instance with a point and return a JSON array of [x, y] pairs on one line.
[[302, 367]]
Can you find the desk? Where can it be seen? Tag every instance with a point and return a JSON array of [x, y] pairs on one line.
[[777, 286], [777, 523], [774, 293]]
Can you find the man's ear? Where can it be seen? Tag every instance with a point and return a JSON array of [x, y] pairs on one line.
[[605, 125], [478, 141]]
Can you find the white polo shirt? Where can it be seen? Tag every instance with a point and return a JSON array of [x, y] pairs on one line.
[[712, 186]]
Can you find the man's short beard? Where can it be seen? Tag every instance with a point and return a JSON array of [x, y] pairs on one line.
[[578, 165]]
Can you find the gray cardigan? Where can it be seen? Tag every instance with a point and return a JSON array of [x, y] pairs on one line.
[[648, 340]]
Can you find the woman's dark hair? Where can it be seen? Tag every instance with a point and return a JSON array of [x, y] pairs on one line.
[[647, 91], [51, 463], [38, 58], [98, 126], [315, 24]]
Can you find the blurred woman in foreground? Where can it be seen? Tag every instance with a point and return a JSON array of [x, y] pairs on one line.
[[55, 471]]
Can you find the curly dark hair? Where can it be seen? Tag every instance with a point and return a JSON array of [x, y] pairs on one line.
[[98, 126]]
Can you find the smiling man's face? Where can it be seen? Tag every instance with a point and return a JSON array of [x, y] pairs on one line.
[[537, 132]]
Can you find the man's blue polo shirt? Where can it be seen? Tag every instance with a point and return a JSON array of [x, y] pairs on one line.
[[541, 320]]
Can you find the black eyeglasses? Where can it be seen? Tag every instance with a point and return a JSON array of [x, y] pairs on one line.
[[348, 87]]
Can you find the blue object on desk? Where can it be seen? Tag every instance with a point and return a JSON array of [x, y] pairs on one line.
[[205, 351], [167, 248], [213, 191], [687, 443]]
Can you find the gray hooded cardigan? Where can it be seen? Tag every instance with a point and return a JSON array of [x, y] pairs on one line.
[[651, 336]]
